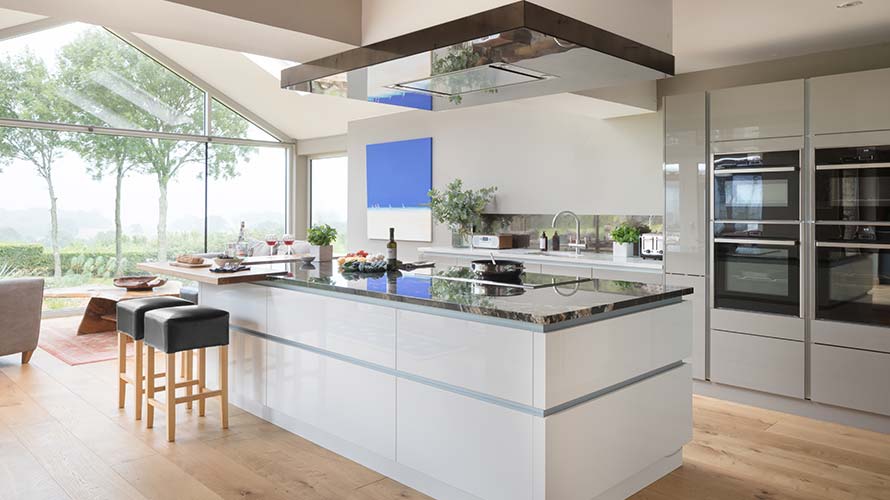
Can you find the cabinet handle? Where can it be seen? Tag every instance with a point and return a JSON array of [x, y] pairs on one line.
[[741, 241], [837, 244]]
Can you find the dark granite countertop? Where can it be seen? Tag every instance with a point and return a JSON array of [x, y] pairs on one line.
[[539, 309]]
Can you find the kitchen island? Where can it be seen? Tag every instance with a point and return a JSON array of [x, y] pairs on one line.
[[555, 388]]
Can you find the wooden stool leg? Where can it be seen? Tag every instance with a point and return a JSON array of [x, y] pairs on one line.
[[224, 385], [202, 379], [150, 388], [170, 392], [138, 378], [188, 375], [121, 369]]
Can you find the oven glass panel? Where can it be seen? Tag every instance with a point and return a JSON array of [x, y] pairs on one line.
[[853, 273], [858, 194], [757, 196], [853, 285], [757, 276]]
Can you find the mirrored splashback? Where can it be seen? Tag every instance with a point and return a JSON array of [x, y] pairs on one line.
[[594, 227]]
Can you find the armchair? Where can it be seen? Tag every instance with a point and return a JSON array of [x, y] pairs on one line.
[[21, 301]]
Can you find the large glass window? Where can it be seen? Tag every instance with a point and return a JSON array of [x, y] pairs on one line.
[[226, 123], [329, 195], [80, 208], [247, 184], [82, 74]]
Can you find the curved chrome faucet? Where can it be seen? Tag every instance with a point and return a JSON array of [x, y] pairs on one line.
[[579, 243]]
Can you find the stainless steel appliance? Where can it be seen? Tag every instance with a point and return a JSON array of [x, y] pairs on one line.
[[853, 184], [652, 246], [853, 273], [756, 267], [514, 51], [757, 186]]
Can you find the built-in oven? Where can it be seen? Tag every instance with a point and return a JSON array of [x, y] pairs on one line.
[[756, 267], [852, 279], [853, 184], [757, 186]]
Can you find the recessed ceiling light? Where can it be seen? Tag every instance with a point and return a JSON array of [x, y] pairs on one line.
[[847, 5]]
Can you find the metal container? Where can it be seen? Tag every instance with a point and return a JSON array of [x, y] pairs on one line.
[[500, 269]]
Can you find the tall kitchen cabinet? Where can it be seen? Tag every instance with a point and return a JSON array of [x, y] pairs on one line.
[[686, 210], [850, 357], [750, 345]]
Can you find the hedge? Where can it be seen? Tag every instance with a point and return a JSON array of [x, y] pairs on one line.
[[34, 260]]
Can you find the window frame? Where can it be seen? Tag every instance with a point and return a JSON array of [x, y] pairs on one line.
[[309, 160], [210, 93]]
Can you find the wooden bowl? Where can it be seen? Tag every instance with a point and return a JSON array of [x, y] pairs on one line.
[[139, 283]]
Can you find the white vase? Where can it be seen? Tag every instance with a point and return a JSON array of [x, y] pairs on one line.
[[323, 253], [621, 251]]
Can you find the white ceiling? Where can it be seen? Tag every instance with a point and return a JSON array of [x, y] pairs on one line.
[[717, 33], [299, 115]]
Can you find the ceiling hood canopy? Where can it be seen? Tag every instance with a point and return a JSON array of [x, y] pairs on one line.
[[515, 51]]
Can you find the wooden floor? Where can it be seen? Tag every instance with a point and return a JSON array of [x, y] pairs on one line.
[[62, 436]]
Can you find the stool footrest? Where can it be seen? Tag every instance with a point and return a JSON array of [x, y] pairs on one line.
[[185, 383], [194, 397]]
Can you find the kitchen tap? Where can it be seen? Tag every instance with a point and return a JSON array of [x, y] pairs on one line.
[[579, 243]]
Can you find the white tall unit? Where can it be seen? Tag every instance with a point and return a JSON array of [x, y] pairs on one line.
[[686, 210]]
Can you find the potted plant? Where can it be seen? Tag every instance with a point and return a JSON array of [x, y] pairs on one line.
[[623, 238], [320, 238], [460, 209]]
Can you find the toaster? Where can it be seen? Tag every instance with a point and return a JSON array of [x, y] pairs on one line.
[[652, 246]]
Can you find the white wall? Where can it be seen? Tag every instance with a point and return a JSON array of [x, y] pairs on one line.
[[541, 161]]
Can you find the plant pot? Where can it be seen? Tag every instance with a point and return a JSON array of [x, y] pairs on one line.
[[621, 251], [322, 254]]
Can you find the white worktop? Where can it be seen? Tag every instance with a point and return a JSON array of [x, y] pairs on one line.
[[565, 258]]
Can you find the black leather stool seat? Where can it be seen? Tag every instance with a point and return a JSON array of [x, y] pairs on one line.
[[175, 329], [131, 313]]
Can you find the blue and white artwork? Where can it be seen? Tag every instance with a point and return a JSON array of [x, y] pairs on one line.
[[399, 177]]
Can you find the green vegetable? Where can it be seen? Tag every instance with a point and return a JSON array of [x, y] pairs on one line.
[[625, 233], [321, 235]]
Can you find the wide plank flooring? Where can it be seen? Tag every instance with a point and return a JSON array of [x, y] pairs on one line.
[[62, 436]]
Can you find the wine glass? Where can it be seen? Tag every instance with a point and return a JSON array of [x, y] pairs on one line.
[[271, 240], [288, 240]]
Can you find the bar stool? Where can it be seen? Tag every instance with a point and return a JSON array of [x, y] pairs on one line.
[[184, 329], [130, 323]]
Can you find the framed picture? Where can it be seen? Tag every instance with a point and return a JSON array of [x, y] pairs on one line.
[[399, 178]]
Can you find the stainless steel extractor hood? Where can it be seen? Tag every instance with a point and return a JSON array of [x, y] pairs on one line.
[[511, 52]]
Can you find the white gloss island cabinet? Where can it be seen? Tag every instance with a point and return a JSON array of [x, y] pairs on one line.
[[462, 406]]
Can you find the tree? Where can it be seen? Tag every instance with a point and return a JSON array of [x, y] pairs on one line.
[[109, 155], [124, 88], [30, 95]]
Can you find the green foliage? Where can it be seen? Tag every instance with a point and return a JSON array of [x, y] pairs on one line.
[[321, 235], [625, 233], [460, 209], [7, 271]]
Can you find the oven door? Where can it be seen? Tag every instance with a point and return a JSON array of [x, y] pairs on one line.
[[853, 274], [853, 184], [757, 186], [757, 268]]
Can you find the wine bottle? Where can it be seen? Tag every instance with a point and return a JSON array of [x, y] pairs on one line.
[[392, 250]]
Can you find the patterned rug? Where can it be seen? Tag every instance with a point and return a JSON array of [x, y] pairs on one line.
[[58, 336]]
